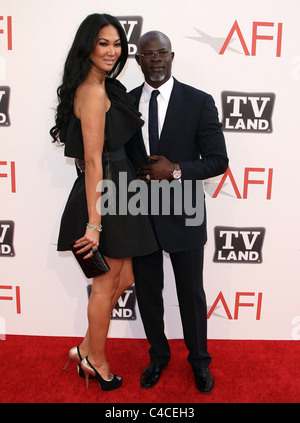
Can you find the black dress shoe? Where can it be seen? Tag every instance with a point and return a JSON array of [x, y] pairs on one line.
[[151, 375], [204, 380]]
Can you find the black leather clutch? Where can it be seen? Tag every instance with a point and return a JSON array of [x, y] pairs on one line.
[[93, 266]]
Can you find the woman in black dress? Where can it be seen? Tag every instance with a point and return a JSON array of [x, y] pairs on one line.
[[94, 121]]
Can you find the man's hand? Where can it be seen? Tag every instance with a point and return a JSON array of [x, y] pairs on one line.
[[161, 169]]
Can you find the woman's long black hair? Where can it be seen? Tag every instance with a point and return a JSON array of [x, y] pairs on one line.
[[78, 65]]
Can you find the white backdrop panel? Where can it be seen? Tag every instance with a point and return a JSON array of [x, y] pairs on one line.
[[43, 292]]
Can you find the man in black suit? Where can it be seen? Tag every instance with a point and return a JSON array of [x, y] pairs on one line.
[[191, 147]]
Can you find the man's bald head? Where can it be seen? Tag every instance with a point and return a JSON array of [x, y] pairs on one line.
[[154, 36]]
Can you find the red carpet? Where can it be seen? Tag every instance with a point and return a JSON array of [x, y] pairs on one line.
[[244, 372]]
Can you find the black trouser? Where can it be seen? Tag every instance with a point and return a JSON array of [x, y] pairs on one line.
[[188, 271]]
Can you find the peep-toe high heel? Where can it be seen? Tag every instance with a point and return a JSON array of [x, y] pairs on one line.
[[74, 356], [105, 385]]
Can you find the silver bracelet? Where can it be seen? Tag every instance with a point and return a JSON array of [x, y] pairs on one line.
[[94, 228]]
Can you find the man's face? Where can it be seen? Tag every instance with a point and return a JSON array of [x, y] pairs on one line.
[[155, 58]]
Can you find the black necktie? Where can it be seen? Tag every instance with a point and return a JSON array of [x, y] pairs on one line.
[[153, 123]]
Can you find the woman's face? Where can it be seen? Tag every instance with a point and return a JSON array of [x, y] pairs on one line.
[[107, 50]]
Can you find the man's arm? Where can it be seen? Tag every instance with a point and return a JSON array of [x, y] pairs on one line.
[[212, 159], [211, 143]]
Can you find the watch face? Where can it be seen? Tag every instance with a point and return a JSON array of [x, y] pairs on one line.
[[177, 174]]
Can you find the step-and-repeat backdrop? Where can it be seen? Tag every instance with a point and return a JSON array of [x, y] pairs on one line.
[[247, 55]]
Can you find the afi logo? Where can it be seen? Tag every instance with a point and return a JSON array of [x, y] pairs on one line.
[[239, 245], [133, 28], [125, 307], [276, 35], [6, 30], [7, 228], [11, 176], [4, 103], [247, 112], [220, 45], [256, 304], [11, 293], [248, 174]]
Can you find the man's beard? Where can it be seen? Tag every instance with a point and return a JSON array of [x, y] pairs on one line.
[[157, 78]]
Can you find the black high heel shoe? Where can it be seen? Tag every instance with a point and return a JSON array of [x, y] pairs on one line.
[[105, 385]]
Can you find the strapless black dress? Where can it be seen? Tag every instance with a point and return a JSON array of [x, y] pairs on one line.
[[123, 235]]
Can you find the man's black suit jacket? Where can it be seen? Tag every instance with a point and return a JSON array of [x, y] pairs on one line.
[[192, 137]]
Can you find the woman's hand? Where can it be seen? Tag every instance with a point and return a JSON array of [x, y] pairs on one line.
[[87, 242]]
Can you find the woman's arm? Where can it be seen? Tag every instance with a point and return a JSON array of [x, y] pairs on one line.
[[90, 107]]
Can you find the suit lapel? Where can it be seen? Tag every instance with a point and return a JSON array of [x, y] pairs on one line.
[[173, 117]]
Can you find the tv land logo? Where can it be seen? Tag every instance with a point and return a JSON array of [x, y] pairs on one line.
[[4, 106], [125, 307], [133, 28], [221, 44], [238, 245], [247, 112], [7, 228]]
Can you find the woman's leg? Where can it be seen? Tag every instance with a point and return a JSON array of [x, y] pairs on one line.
[[99, 312], [106, 291], [126, 280]]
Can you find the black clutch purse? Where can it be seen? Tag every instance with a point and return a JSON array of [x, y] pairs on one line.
[[93, 266]]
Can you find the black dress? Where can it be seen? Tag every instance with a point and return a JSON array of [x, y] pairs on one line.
[[123, 235]]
